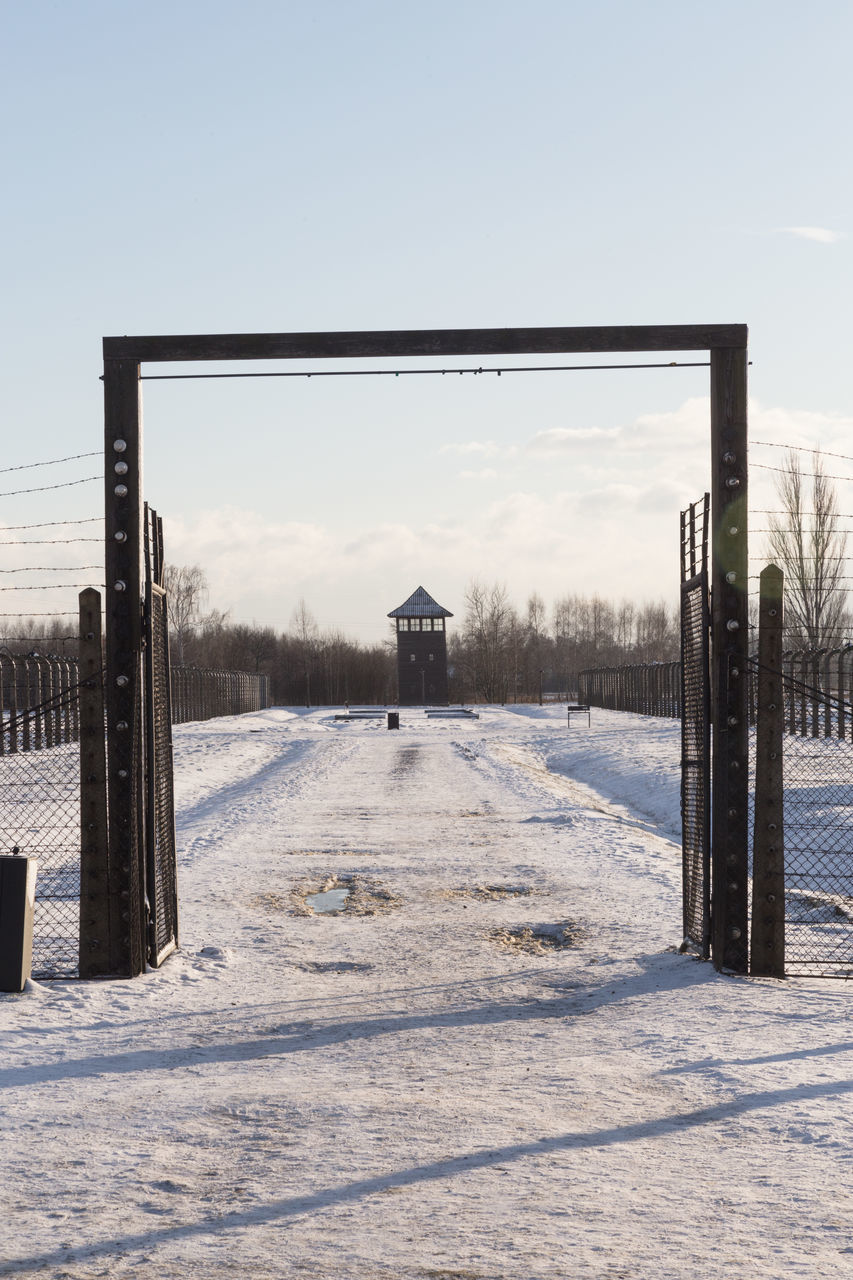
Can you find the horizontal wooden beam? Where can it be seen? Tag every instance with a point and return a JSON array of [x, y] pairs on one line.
[[426, 342]]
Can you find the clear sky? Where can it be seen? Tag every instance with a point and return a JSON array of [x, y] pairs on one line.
[[191, 167]]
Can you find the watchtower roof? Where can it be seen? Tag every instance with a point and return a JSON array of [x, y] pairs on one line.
[[420, 604]]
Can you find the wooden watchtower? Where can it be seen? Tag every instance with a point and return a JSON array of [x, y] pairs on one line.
[[421, 651]]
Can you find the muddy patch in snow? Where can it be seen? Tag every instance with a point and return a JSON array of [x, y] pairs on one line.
[[406, 761], [443, 1274], [358, 895], [537, 939], [334, 966], [271, 902], [327, 853], [491, 892]]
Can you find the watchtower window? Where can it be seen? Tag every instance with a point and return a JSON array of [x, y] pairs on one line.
[[402, 624], [412, 657]]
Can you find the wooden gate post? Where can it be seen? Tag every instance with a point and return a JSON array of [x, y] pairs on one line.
[[729, 637], [123, 684], [767, 941]]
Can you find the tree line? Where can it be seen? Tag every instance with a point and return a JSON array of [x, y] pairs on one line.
[[498, 653], [503, 654]]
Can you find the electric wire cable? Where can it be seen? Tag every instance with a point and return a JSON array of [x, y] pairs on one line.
[[401, 373], [52, 462], [68, 484]]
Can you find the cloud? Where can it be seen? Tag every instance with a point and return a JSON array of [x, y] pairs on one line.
[[690, 422], [821, 234], [258, 568], [807, 428], [607, 523], [483, 448], [563, 439]]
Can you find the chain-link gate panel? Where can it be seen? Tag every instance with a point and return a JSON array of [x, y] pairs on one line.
[[160, 825], [695, 728]]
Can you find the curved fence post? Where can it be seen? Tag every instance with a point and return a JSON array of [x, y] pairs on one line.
[[845, 691], [826, 688]]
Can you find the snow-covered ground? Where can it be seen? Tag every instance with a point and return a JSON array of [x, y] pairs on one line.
[[425, 1086]]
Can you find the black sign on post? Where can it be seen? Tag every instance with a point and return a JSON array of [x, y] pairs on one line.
[[17, 904]]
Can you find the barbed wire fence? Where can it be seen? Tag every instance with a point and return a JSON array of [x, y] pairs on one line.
[[810, 538], [44, 563], [645, 688], [807, 538], [38, 604], [42, 566], [816, 683], [201, 693]]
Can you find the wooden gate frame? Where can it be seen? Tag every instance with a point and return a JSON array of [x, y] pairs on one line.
[[727, 345]]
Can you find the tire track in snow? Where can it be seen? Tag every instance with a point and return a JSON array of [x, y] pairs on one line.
[[298, 765]]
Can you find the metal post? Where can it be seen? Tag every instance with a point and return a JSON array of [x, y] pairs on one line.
[[729, 635], [123, 687], [767, 942], [99, 953]]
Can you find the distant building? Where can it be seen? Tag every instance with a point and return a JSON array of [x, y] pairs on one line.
[[421, 651]]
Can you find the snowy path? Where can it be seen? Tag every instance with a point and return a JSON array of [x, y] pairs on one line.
[[401, 1090]]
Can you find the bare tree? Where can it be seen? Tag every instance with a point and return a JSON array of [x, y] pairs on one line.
[[186, 588], [656, 632], [305, 631], [810, 549], [536, 646], [487, 636]]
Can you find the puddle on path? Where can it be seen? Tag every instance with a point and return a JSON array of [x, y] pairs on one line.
[[348, 894], [328, 900]]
